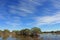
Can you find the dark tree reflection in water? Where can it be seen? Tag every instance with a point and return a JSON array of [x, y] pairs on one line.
[[27, 38], [4, 37], [21, 37]]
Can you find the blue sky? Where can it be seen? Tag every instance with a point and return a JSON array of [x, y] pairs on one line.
[[20, 14]]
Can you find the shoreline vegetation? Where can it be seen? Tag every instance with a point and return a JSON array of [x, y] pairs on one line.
[[33, 33]]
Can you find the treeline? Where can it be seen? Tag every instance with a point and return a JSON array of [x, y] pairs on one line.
[[56, 32], [24, 32], [33, 32]]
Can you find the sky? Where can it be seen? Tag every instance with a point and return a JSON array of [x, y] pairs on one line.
[[21, 14]]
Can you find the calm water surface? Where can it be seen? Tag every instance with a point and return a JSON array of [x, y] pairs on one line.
[[42, 37]]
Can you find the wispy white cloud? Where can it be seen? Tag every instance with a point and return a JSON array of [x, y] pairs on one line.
[[16, 19], [2, 16], [13, 24], [24, 7], [56, 3], [47, 11], [38, 2], [26, 10], [48, 19]]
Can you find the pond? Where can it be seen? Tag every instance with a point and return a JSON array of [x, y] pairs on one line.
[[42, 37]]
